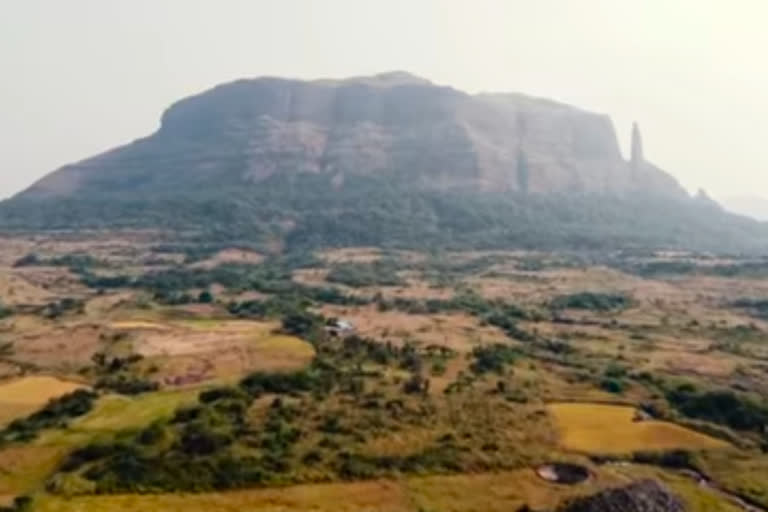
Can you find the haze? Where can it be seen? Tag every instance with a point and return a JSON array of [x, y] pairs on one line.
[[83, 76]]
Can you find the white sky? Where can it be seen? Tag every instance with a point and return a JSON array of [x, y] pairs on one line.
[[80, 76]]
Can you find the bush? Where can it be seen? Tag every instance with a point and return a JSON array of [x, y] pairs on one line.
[[5, 311], [261, 382], [612, 385], [591, 301], [675, 459], [301, 323], [212, 395], [493, 358], [127, 384], [722, 407], [377, 273]]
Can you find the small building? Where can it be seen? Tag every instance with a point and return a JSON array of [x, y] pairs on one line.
[[339, 327]]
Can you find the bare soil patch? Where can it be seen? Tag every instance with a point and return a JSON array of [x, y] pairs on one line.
[[458, 331]]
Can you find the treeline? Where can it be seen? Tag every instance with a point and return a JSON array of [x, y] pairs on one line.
[[306, 211], [722, 407], [377, 273], [592, 301], [661, 268]]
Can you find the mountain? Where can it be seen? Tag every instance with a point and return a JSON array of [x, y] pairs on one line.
[[247, 131], [751, 206], [390, 159]]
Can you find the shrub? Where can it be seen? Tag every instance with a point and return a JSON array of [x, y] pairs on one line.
[[675, 459], [612, 385], [5, 311], [215, 394], [127, 384], [377, 273], [493, 358], [301, 323], [591, 301], [722, 407], [261, 382]]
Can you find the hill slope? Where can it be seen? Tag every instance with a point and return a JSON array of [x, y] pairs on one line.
[[388, 159]]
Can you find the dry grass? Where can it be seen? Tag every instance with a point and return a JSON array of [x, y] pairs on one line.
[[496, 492], [745, 474], [230, 256], [487, 492], [21, 397], [182, 352], [458, 331], [610, 429], [59, 346], [138, 325], [24, 468], [15, 290], [378, 496], [350, 255], [686, 363]]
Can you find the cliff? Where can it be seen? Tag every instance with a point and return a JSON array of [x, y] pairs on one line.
[[392, 124], [387, 160]]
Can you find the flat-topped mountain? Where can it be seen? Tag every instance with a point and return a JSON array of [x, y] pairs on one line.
[[389, 125], [390, 159]]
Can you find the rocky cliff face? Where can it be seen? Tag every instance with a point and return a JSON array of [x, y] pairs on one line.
[[643, 496], [392, 124]]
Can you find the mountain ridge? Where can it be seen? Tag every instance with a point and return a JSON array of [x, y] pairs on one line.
[[383, 123], [387, 159]]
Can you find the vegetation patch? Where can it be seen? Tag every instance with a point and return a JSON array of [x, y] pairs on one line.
[[20, 397], [592, 301], [722, 407], [57, 413], [376, 273]]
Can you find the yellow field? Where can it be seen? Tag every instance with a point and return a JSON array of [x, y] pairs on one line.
[[487, 492], [21, 397], [609, 429], [359, 497], [138, 325]]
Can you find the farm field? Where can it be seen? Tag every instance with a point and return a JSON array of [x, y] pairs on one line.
[[23, 396], [613, 429], [371, 379], [491, 492]]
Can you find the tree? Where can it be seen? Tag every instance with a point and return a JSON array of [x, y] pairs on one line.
[[205, 297], [5, 310], [299, 323]]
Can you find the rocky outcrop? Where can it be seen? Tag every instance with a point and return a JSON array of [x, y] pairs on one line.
[[393, 124], [636, 158], [644, 496]]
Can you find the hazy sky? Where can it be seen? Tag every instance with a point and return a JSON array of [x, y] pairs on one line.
[[80, 76]]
